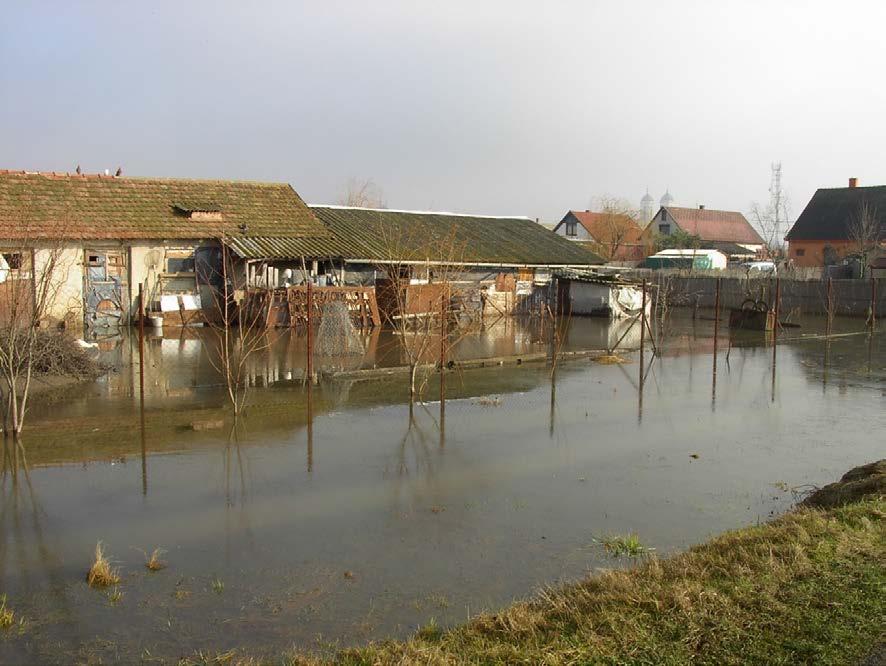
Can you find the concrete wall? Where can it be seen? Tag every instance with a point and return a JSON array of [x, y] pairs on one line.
[[851, 297]]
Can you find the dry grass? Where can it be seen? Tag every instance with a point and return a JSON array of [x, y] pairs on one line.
[[610, 359], [806, 587], [154, 563], [7, 615], [101, 574]]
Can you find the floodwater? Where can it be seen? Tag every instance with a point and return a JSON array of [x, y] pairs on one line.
[[333, 516]]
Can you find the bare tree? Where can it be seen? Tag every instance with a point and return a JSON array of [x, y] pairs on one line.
[[31, 275], [772, 219], [618, 227], [362, 193], [866, 231], [420, 269], [238, 324]]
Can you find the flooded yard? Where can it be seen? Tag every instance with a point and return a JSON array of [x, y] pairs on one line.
[[336, 515]]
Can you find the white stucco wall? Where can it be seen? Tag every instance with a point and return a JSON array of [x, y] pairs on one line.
[[65, 285]]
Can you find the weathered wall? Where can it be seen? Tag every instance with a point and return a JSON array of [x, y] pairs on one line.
[[65, 283], [851, 297], [811, 253]]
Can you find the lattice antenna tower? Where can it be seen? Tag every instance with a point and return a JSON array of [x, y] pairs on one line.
[[776, 199]]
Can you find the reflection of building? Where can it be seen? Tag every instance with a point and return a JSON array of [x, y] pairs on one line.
[[829, 226]]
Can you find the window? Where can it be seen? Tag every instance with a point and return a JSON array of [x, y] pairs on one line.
[[13, 260], [180, 265], [664, 228], [800, 252], [571, 229]]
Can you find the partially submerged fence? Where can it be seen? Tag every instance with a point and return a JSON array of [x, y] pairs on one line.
[[850, 297], [289, 306]]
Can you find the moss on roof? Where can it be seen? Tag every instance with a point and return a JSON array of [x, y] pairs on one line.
[[389, 235], [68, 206]]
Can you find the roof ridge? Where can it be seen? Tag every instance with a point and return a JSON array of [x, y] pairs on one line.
[[702, 210], [161, 179], [420, 212]]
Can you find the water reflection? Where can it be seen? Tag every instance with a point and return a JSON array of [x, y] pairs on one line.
[[430, 511]]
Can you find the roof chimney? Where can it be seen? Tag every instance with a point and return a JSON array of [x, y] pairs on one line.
[[701, 206], [853, 182]]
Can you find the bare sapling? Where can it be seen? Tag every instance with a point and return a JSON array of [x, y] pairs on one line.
[[240, 331], [31, 274], [420, 282], [867, 230]]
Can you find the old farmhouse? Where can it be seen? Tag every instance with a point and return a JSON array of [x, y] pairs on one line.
[[838, 222], [105, 237]]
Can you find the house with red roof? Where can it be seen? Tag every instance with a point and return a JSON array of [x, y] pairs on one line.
[[613, 235], [724, 230]]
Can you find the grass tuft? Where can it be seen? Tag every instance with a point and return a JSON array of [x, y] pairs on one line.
[[218, 585], [629, 545], [154, 563], [7, 615], [115, 596], [101, 574], [610, 359]]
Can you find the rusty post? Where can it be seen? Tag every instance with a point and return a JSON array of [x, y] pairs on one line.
[[643, 322], [830, 315], [309, 306], [716, 335], [443, 333], [141, 342], [310, 427], [642, 344], [775, 307], [141, 385]]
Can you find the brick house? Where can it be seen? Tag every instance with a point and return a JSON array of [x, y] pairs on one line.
[[823, 234]]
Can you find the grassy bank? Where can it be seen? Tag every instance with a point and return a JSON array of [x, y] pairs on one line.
[[805, 588]]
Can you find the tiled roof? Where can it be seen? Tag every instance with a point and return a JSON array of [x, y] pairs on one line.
[[715, 225], [599, 226], [69, 206], [276, 247], [390, 235], [830, 212]]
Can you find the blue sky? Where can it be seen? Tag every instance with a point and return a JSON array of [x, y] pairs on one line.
[[490, 107]]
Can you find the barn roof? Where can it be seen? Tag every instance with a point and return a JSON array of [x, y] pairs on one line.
[[383, 235]]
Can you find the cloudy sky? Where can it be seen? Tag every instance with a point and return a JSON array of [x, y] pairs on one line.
[[496, 107]]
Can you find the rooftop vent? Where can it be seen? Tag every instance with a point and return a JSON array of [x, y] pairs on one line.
[[853, 182], [701, 206]]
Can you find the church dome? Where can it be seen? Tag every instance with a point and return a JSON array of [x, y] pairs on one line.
[[667, 199], [647, 199]]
